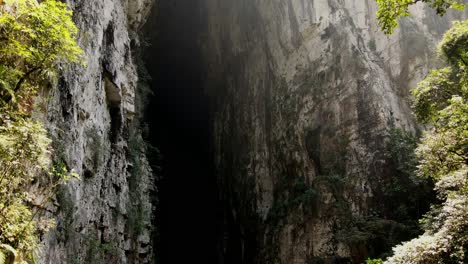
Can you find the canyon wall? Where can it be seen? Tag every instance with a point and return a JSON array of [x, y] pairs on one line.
[[304, 93], [92, 115]]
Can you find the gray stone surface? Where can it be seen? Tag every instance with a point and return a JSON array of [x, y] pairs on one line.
[[299, 87], [102, 218], [305, 88]]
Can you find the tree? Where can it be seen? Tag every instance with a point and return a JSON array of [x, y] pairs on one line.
[[34, 39], [441, 101], [391, 10]]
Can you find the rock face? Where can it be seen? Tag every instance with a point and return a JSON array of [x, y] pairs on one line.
[[105, 217], [304, 92]]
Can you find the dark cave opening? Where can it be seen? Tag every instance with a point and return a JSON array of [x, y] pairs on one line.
[[188, 213]]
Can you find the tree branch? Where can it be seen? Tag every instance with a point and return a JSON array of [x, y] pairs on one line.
[[21, 81], [25, 76]]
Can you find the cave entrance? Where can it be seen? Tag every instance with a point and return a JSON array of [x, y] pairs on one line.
[[188, 214]]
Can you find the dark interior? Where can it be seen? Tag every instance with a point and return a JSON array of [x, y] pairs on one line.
[[179, 119]]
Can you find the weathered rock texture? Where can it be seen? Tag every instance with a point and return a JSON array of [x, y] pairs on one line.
[[304, 91], [105, 217]]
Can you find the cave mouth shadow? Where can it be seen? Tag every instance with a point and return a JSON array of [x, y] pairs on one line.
[[188, 214]]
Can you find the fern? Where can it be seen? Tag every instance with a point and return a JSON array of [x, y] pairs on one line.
[[7, 254], [5, 86]]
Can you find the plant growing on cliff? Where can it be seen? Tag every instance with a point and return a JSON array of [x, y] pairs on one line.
[[34, 38], [374, 261], [405, 195], [25, 160], [391, 10], [400, 200], [298, 195], [441, 100]]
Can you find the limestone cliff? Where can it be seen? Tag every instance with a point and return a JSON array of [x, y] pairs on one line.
[[304, 92], [105, 217]]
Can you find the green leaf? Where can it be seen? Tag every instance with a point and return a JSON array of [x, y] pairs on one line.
[[391, 10], [7, 254]]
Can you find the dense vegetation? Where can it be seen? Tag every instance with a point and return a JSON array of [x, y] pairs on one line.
[[391, 10], [34, 39], [440, 102], [37, 38]]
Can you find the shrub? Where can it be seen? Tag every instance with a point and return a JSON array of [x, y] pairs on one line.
[[34, 38], [443, 157]]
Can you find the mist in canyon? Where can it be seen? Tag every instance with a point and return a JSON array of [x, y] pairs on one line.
[[239, 132], [271, 120]]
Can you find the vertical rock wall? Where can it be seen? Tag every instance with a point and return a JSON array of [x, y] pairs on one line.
[[105, 217], [304, 92]]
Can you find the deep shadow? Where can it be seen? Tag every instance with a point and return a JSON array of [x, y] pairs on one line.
[[179, 119]]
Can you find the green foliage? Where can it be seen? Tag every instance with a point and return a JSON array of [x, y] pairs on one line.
[[99, 251], [435, 92], [136, 219], [137, 146], [7, 254], [453, 45], [443, 157], [377, 234], [34, 38], [66, 207], [405, 196], [400, 199], [334, 182], [298, 195], [25, 158], [432, 94], [23, 155], [391, 10], [444, 148], [399, 150], [374, 261]]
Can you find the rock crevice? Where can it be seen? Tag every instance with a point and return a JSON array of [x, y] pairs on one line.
[[92, 117]]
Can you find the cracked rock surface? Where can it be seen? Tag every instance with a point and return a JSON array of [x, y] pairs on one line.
[[305, 90], [105, 217]]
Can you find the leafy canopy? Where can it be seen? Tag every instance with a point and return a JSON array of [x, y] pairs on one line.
[[441, 100], [391, 10], [34, 39]]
